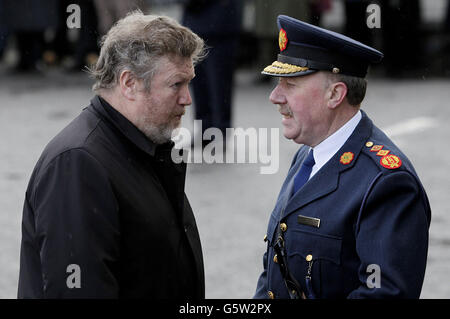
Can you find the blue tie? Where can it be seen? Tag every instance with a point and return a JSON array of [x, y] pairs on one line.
[[303, 175]]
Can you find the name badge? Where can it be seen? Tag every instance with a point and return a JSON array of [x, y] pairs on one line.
[[310, 221]]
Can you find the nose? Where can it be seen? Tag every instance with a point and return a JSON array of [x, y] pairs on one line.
[[276, 97], [185, 98]]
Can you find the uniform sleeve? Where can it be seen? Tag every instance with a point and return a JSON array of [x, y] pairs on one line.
[[261, 287], [392, 238], [77, 228]]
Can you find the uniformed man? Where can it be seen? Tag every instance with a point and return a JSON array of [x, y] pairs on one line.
[[352, 217]]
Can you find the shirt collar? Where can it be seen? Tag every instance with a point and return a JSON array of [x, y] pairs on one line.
[[328, 147]]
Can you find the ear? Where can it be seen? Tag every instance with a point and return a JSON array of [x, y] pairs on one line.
[[128, 84], [335, 94]]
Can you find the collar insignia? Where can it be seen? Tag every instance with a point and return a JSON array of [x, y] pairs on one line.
[[347, 157]]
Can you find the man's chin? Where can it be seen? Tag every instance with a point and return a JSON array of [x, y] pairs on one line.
[[293, 137], [158, 135], [288, 135]]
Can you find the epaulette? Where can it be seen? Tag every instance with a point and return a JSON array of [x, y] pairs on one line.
[[387, 159]]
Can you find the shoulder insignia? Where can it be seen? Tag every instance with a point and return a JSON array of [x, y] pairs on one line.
[[383, 152], [282, 39], [391, 161], [376, 148], [347, 157]]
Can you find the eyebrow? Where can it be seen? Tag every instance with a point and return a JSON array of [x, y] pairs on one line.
[[284, 80], [183, 76]]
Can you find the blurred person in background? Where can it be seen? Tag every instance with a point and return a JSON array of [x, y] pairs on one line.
[[110, 11], [356, 20], [317, 9], [105, 212], [4, 32], [59, 46], [446, 46], [96, 18], [402, 38], [86, 47], [219, 24], [28, 20]]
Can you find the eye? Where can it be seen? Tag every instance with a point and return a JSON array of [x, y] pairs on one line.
[[286, 83], [290, 84]]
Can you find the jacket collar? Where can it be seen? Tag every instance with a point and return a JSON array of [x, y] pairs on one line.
[[131, 132], [326, 179]]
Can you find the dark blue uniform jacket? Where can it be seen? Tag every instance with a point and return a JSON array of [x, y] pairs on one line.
[[371, 213]]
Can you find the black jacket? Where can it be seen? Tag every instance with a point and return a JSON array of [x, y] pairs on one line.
[[106, 216]]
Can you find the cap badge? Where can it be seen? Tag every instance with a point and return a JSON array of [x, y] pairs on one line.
[[347, 157], [282, 39], [391, 161]]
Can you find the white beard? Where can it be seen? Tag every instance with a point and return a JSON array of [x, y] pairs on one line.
[[158, 135]]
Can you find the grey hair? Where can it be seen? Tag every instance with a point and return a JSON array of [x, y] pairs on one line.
[[356, 87], [137, 42]]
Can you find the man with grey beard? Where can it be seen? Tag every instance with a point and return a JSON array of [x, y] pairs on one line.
[[105, 213]]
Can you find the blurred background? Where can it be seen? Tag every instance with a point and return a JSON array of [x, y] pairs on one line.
[[45, 47]]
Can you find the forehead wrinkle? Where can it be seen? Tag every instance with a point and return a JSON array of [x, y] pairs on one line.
[[177, 68], [183, 76]]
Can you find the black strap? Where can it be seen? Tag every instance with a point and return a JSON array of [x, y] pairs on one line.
[[292, 285]]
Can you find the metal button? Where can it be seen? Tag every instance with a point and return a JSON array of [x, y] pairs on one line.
[[265, 237], [271, 294], [275, 259], [369, 144], [283, 227], [309, 258], [336, 70]]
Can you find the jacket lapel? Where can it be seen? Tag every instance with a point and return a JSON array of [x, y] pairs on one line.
[[326, 180]]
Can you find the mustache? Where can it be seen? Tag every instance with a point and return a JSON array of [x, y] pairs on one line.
[[180, 113], [284, 109]]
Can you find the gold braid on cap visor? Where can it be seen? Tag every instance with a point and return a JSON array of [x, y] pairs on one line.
[[284, 68]]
